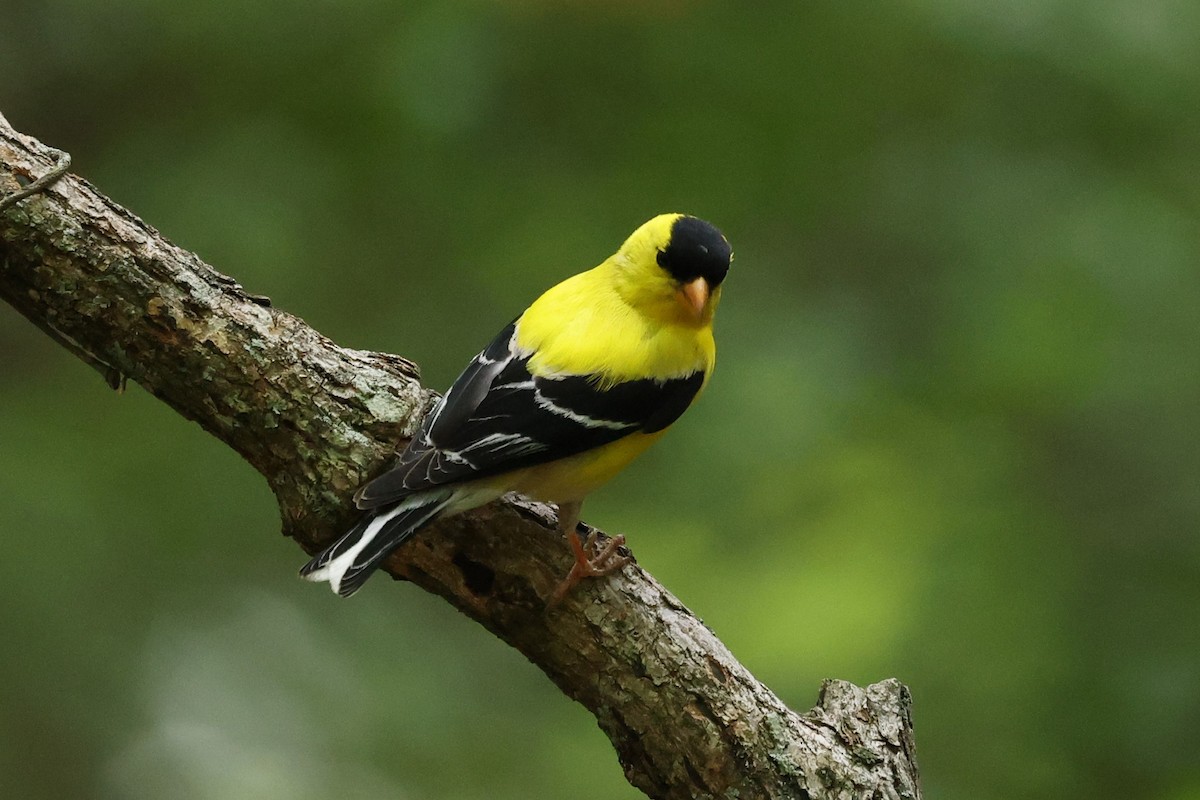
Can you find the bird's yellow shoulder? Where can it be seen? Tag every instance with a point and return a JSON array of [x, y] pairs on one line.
[[629, 318]]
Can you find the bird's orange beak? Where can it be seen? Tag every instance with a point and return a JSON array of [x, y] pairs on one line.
[[693, 296]]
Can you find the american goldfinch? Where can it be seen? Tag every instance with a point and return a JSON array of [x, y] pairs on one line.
[[569, 393]]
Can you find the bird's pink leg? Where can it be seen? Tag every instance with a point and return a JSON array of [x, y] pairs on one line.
[[608, 560]]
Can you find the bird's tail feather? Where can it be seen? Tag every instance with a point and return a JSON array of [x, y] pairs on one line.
[[348, 562]]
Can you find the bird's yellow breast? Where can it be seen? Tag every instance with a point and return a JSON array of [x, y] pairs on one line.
[[585, 326]]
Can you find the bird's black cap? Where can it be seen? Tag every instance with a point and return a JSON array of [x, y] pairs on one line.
[[696, 250]]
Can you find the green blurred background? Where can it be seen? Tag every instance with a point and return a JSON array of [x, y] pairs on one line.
[[954, 435]]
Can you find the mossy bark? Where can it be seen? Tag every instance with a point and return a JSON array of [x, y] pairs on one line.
[[686, 719]]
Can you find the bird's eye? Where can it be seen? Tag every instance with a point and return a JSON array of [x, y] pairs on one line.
[[661, 258]]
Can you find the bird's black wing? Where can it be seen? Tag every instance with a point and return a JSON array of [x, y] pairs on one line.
[[498, 417]]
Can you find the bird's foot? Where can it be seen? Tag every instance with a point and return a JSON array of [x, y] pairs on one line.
[[591, 561]]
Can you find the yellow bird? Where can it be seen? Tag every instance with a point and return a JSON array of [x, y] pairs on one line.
[[592, 374]]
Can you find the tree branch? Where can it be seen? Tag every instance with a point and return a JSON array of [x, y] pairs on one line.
[[687, 720]]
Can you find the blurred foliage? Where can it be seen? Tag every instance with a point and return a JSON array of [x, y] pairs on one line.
[[953, 437]]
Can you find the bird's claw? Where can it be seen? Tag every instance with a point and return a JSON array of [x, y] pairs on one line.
[[592, 560], [607, 559]]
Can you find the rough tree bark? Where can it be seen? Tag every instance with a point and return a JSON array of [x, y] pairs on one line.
[[687, 720]]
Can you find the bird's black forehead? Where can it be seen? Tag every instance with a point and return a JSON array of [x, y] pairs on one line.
[[696, 250]]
